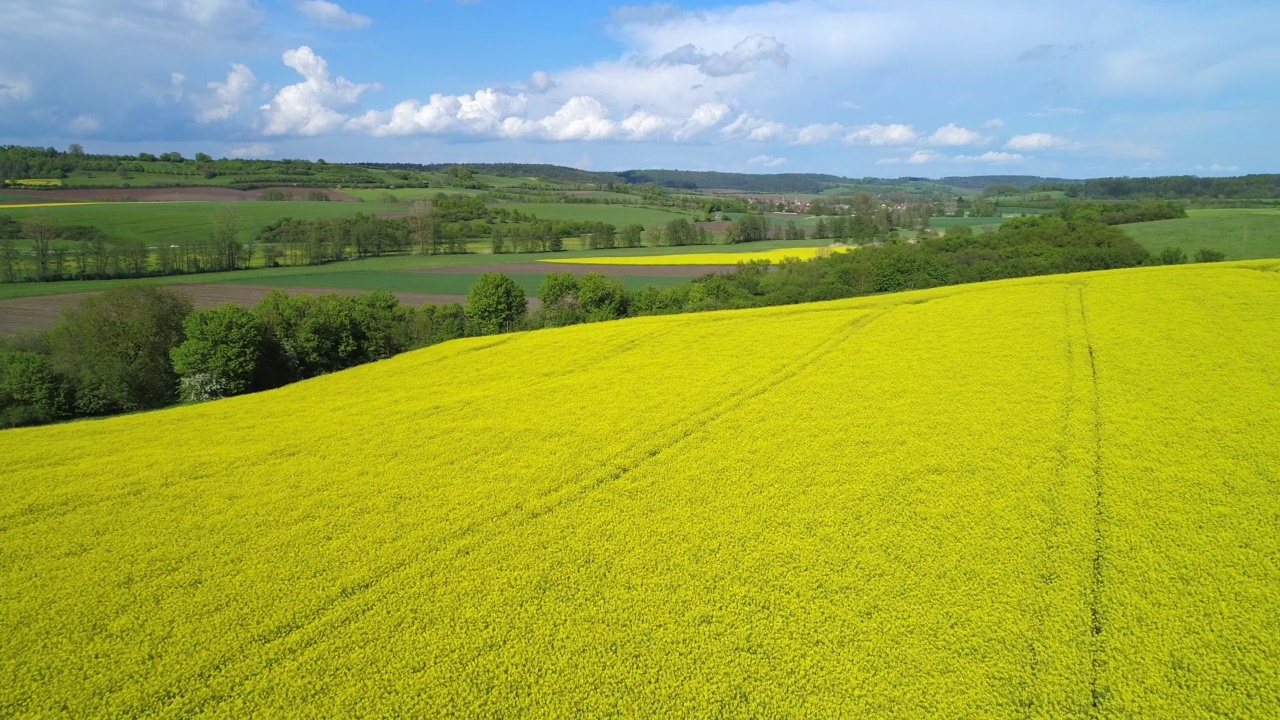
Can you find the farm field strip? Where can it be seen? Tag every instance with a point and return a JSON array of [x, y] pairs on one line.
[[154, 222], [619, 215], [1239, 233], [953, 502], [705, 258], [452, 283]]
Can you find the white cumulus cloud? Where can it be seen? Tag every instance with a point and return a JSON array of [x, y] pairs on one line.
[[333, 15], [226, 98], [991, 157], [484, 112], [582, 118], [818, 133], [1038, 141], [311, 107], [84, 124], [924, 156], [952, 135], [882, 135], [751, 127], [767, 161]]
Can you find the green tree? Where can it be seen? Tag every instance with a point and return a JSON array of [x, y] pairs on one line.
[[631, 236], [115, 348], [424, 228], [41, 229], [1204, 255], [9, 257], [559, 296], [30, 390], [221, 355], [226, 238], [600, 298], [494, 304], [557, 288], [382, 325], [437, 323]]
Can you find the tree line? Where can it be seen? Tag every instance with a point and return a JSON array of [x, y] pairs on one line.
[[142, 347], [1183, 187], [1123, 213], [18, 162]]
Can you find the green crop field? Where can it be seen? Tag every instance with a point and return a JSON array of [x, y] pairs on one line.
[[156, 222], [144, 179], [416, 282], [392, 268], [617, 214], [975, 222], [1241, 234], [406, 195], [1053, 497]]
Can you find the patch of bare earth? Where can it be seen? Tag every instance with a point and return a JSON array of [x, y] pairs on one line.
[[184, 194], [539, 268], [39, 313]]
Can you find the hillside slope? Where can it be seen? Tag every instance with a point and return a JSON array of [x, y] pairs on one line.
[[1051, 497]]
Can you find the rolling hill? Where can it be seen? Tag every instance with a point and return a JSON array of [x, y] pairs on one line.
[[1049, 497]]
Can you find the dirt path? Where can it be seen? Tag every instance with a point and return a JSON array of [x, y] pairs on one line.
[[39, 313], [540, 268]]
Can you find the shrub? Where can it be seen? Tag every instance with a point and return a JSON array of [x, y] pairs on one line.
[[1172, 256]]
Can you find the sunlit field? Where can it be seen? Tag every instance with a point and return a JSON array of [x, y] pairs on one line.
[[1053, 497]]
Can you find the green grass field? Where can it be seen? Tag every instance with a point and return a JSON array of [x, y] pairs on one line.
[[407, 195], [974, 222], [364, 274], [1241, 234], [155, 222], [617, 214]]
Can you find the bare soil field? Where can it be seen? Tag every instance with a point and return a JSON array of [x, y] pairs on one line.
[[691, 271], [39, 313], [718, 227], [183, 194]]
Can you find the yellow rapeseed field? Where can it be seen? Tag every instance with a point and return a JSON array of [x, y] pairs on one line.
[[1054, 497], [720, 258]]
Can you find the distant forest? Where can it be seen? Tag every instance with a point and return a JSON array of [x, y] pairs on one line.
[[557, 173], [1254, 187], [18, 163]]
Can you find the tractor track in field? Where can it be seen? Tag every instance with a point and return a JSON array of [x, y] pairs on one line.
[[1097, 586]]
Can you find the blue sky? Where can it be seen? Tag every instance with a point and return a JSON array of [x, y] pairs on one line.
[[912, 87]]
